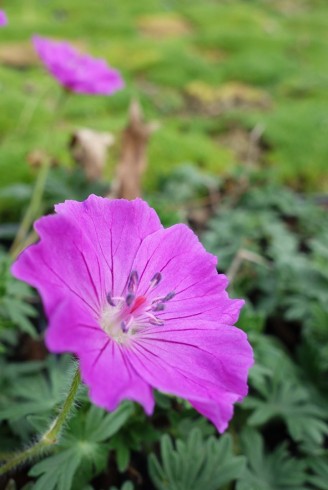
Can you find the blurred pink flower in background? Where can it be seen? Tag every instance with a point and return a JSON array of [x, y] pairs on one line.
[[142, 307], [3, 18], [77, 72]]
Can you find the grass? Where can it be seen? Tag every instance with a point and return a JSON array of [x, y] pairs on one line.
[[162, 47]]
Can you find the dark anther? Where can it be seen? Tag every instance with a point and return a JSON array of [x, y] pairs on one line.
[[124, 327], [169, 296], [159, 307], [109, 300], [156, 279], [156, 322], [133, 282], [129, 299]]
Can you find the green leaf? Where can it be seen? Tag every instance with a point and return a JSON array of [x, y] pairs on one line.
[[85, 437], [101, 425], [275, 471], [36, 393], [122, 457], [15, 297], [126, 486], [280, 394], [195, 463], [319, 469], [57, 471]]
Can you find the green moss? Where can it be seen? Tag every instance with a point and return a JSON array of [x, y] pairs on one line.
[[173, 146]]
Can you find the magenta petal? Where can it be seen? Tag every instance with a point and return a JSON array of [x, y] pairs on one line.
[[103, 365], [74, 329], [62, 268], [75, 71], [189, 271], [218, 413], [85, 250], [3, 18], [112, 378], [209, 351], [211, 400], [208, 364], [142, 307], [116, 229]]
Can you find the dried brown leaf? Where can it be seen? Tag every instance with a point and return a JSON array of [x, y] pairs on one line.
[[133, 160], [89, 149], [18, 55]]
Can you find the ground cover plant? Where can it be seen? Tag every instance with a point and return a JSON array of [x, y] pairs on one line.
[[234, 103]]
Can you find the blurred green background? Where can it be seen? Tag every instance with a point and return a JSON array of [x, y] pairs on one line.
[[239, 89], [211, 72]]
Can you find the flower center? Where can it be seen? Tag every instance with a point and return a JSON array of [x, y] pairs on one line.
[[124, 316]]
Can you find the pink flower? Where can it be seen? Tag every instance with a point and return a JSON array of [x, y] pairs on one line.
[[141, 306], [3, 18], [75, 71]]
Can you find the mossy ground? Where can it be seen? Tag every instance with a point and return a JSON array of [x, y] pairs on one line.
[[201, 69]]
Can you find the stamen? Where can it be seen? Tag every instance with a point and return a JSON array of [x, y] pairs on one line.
[[129, 299], [158, 307], [154, 320], [163, 300], [156, 279], [156, 300], [125, 316], [124, 326], [157, 322], [168, 296], [133, 282], [110, 299]]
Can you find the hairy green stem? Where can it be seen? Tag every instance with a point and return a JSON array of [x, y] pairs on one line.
[[50, 437], [34, 207], [28, 112], [4, 456]]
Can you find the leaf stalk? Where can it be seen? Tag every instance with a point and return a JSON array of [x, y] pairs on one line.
[[51, 436]]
